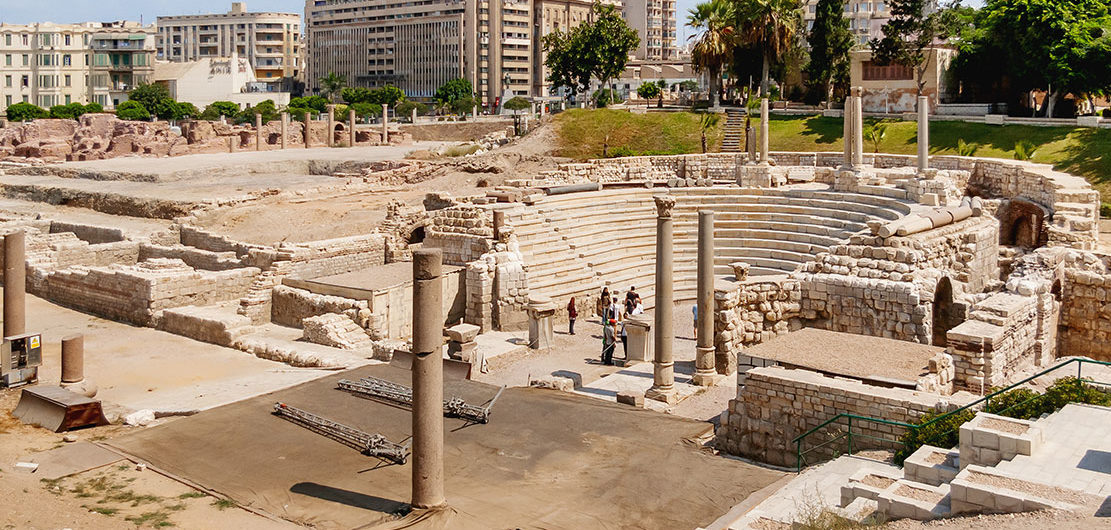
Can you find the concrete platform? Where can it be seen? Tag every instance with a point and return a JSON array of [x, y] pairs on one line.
[[857, 356], [545, 460]]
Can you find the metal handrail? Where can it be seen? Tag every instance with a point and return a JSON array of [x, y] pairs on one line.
[[985, 399]]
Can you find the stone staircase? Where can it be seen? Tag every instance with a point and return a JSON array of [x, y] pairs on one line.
[[575, 244], [1002, 465], [731, 141]]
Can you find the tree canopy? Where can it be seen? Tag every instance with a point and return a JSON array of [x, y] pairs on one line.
[[713, 47], [596, 49], [132, 110], [517, 103], [454, 90], [26, 112], [830, 42], [771, 26], [914, 27], [214, 110], [1051, 45], [332, 84]]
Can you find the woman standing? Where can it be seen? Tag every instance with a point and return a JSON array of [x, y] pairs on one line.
[[572, 313]]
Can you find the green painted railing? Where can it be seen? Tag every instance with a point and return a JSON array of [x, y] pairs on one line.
[[985, 401]]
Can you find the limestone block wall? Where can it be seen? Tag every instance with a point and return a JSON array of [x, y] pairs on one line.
[[462, 232], [333, 256], [1000, 338], [1085, 325], [290, 306], [753, 311], [480, 295], [865, 306], [138, 293], [92, 234], [776, 405], [194, 257], [195, 237]]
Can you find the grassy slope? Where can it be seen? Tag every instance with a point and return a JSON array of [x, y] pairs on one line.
[[1080, 151]]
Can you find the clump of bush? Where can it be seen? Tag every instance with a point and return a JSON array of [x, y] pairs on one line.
[[132, 110], [1019, 403]]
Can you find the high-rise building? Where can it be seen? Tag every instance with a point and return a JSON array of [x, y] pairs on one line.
[[51, 64], [655, 21], [269, 41], [418, 46], [866, 18]]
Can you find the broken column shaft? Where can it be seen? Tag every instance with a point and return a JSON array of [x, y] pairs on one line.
[[15, 284], [663, 386], [385, 124], [704, 351], [258, 132], [73, 359], [308, 123], [428, 380], [331, 137]]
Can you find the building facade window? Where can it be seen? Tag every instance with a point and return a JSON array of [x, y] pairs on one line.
[[891, 72]]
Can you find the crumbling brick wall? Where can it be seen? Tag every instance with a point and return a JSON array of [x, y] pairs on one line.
[[462, 233]]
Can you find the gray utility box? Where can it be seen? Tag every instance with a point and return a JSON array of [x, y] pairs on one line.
[[20, 358]]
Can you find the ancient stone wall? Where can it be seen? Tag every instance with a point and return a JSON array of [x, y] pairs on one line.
[[196, 258], [290, 306], [195, 237], [332, 256], [463, 233], [1000, 339], [92, 234], [138, 293], [1085, 294], [754, 311], [777, 405]]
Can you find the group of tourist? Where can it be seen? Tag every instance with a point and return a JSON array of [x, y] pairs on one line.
[[612, 315]]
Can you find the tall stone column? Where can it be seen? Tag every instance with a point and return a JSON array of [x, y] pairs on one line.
[[428, 380], [258, 132], [663, 386], [704, 351], [331, 126], [350, 128], [858, 127], [15, 284], [764, 128], [308, 126], [285, 130], [923, 134], [847, 118], [385, 124]]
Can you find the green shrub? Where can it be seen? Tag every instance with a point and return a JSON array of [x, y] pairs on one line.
[[1105, 210], [1025, 150], [405, 108], [214, 110], [943, 433], [1107, 113], [132, 110], [1071, 390], [71, 111], [188, 110], [1021, 403], [94, 108], [621, 151], [367, 110], [517, 103], [27, 112], [317, 104]]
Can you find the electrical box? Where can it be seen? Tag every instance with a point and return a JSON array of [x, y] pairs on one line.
[[20, 358]]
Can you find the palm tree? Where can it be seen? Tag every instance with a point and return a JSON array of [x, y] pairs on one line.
[[772, 25], [332, 84], [714, 47]]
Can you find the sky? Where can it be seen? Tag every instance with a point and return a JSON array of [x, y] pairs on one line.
[[67, 11]]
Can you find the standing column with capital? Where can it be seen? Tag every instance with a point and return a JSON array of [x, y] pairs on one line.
[[765, 117], [704, 373], [923, 134], [663, 386]]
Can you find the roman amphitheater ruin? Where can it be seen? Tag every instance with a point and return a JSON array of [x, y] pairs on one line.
[[837, 293]]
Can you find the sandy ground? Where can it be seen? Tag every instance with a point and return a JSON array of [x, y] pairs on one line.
[[141, 368]]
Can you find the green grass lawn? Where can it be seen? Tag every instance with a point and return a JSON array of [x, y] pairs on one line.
[[1084, 152]]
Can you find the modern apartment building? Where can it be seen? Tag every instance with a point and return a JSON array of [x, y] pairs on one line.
[[556, 15], [655, 21], [51, 64], [866, 18], [269, 41]]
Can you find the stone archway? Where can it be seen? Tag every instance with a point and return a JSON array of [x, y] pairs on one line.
[[1021, 224], [944, 314]]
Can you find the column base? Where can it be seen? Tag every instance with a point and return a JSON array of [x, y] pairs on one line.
[[710, 378], [84, 387], [669, 396]]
